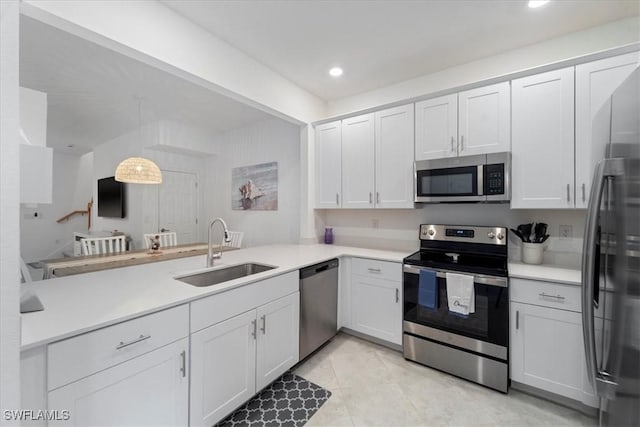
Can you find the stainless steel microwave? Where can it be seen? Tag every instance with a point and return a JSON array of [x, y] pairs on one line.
[[479, 178]]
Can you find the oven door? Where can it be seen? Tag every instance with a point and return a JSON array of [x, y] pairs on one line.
[[448, 180], [486, 331]]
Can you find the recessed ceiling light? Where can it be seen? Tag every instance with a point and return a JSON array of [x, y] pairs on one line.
[[335, 72], [533, 4]]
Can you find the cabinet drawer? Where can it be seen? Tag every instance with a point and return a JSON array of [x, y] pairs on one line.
[[80, 356], [546, 294], [378, 269]]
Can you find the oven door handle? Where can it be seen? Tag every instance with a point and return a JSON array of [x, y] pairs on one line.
[[482, 279]]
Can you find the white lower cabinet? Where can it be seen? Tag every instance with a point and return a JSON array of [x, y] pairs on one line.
[[546, 349], [235, 358], [148, 390], [376, 299]]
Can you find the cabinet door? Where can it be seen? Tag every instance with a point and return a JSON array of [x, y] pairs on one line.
[[376, 308], [223, 361], [542, 145], [149, 390], [328, 146], [394, 157], [436, 128], [595, 83], [546, 349], [484, 122], [278, 338], [358, 162]]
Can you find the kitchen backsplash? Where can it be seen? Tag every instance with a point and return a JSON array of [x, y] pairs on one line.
[[397, 229]]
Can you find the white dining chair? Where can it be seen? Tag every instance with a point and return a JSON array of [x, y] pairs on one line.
[[103, 245], [168, 238], [235, 239]]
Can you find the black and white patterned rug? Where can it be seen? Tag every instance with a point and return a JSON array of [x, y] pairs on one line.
[[288, 401]]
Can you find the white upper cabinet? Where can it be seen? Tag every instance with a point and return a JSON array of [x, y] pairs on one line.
[[437, 128], [543, 140], [484, 120], [475, 121], [328, 145], [358, 161], [595, 83], [394, 157]]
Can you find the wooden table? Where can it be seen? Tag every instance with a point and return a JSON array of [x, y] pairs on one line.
[[67, 266]]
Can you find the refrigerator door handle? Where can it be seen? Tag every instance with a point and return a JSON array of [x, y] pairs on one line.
[[588, 272]]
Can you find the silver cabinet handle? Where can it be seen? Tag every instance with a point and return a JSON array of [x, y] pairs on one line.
[[558, 297], [254, 324], [377, 197], [453, 145], [135, 341], [337, 199], [461, 143], [568, 192], [584, 195], [374, 270], [264, 325], [517, 319], [370, 197], [183, 367], [397, 295]]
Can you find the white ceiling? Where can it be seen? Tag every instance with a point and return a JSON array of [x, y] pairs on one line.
[[378, 42], [93, 92]]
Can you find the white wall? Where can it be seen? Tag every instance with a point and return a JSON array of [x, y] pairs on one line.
[[41, 237], [175, 44], [272, 140], [616, 34], [398, 229], [9, 210]]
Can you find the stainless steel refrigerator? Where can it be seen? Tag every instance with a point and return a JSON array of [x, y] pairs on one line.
[[611, 263]]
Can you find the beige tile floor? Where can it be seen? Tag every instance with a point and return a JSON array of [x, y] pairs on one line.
[[374, 386]]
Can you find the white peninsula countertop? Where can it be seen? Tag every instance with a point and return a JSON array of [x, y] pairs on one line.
[[85, 302]]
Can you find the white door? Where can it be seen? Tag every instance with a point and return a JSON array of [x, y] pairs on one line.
[[546, 349], [358, 161], [178, 205], [484, 120], [223, 361], [328, 143], [436, 128], [278, 338], [542, 145], [595, 83], [394, 157], [376, 308], [149, 390]]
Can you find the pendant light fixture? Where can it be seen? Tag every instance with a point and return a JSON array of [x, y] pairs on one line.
[[138, 170]]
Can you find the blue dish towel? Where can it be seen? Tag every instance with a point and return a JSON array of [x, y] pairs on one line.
[[428, 289]]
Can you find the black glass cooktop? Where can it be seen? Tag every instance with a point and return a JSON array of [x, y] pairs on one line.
[[469, 263]]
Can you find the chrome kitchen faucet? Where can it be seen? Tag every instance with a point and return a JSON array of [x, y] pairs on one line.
[[210, 255]]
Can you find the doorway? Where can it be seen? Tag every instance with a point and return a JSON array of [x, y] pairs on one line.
[[178, 205]]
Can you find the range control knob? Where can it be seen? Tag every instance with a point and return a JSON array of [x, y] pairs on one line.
[[500, 236], [430, 232], [491, 235]]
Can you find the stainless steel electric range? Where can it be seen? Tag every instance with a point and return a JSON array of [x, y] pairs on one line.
[[474, 346]]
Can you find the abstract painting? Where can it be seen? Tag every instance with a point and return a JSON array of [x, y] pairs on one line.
[[255, 187]]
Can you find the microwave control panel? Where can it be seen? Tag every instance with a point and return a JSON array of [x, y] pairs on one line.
[[494, 179]]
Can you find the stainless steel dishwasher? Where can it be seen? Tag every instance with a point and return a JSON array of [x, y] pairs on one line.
[[318, 305]]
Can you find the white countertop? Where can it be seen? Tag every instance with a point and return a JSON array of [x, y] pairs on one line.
[[84, 302], [545, 272]]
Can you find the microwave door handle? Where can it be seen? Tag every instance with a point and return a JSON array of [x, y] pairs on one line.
[[588, 273], [480, 180]]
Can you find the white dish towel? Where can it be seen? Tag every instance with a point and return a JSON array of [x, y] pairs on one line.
[[461, 296]]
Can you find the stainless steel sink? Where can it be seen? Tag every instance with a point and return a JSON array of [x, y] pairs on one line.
[[221, 275]]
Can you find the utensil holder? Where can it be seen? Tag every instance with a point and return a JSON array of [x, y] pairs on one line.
[[532, 253]]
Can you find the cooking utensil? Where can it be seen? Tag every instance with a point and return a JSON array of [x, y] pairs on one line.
[[539, 232], [517, 233], [525, 230], [543, 239]]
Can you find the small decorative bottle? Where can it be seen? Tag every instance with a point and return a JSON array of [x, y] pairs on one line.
[[328, 235]]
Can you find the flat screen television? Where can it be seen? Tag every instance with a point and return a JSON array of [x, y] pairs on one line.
[[111, 198]]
